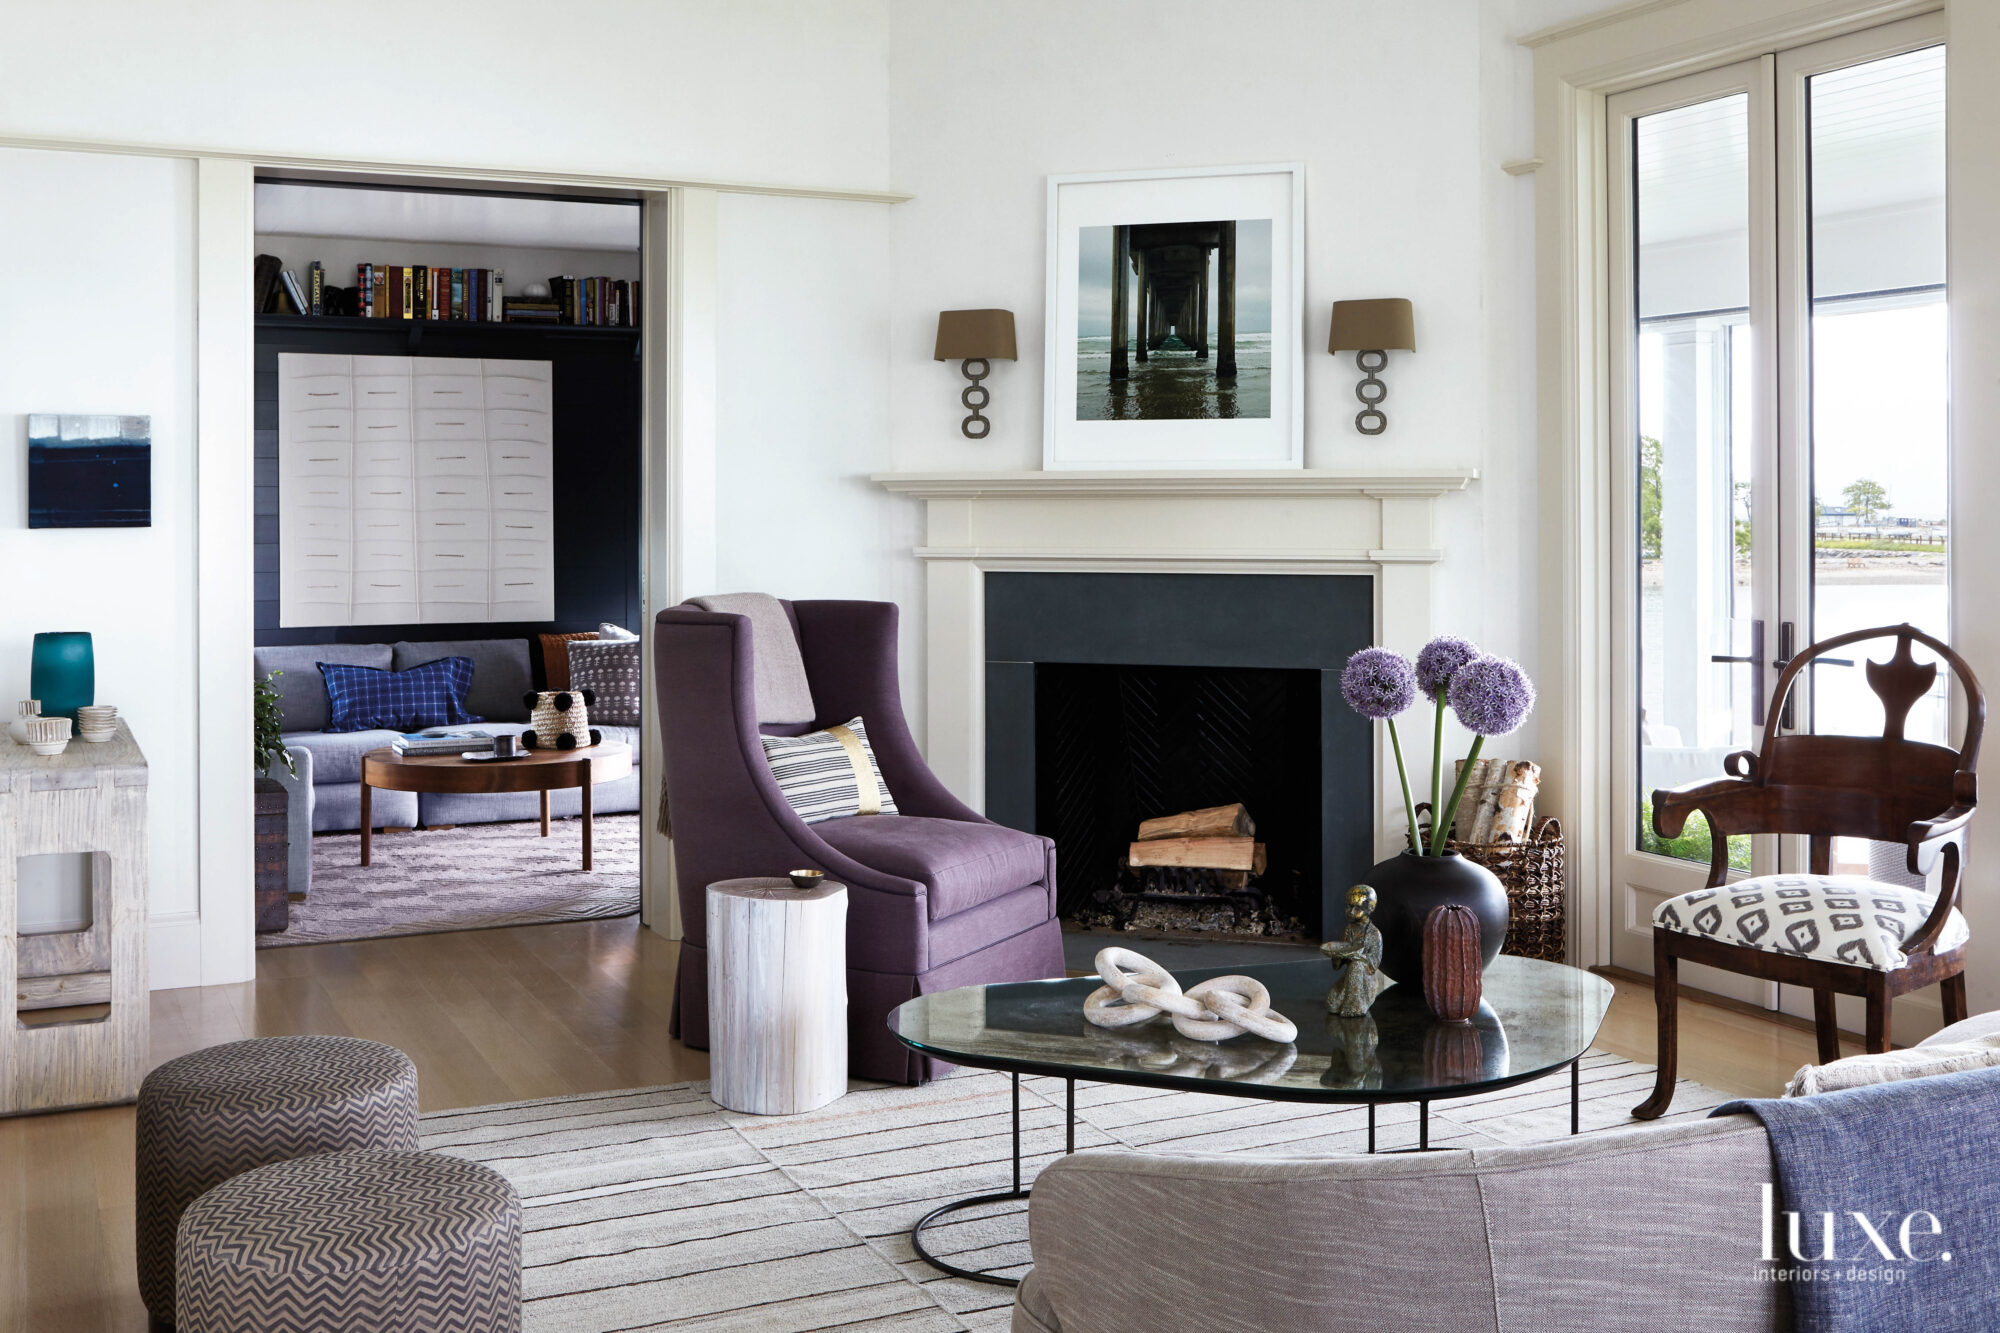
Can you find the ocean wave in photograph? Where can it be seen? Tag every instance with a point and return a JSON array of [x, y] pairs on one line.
[[1172, 385]]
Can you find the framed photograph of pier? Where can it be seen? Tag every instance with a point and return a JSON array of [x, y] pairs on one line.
[[1175, 308]]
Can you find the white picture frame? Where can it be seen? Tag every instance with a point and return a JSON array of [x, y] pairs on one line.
[[1196, 419]]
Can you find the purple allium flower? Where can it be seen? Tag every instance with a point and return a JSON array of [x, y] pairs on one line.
[[1440, 658], [1378, 683], [1491, 695]]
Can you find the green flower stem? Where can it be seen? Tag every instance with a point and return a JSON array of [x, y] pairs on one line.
[[1437, 761], [1408, 805], [1442, 830]]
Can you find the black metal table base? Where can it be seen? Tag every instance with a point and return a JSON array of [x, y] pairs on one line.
[[1069, 1146], [1006, 1196]]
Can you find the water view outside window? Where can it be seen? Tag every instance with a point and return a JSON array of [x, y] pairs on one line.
[[1693, 457], [1879, 464]]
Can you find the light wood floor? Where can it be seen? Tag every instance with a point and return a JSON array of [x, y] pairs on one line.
[[496, 1016]]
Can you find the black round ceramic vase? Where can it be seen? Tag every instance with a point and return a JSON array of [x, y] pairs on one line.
[[1408, 886]]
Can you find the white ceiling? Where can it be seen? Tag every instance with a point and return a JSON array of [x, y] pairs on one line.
[[473, 219], [1877, 142]]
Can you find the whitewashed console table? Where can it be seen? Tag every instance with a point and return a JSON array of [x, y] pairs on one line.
[[73, 997], [777, 995]]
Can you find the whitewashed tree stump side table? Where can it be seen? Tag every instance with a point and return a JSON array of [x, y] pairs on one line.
[[777, 995]]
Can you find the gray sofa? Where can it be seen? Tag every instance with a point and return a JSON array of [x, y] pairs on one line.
[[1645, 1229], [501, 676]]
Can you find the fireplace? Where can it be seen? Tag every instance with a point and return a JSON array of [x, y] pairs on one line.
[[1112, 698]]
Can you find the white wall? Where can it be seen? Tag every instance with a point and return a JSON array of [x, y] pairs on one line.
[[764, 91], [1403, 197], [802, 411], [99, 317]]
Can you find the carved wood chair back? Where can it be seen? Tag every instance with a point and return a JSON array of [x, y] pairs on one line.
[[1826, 786]]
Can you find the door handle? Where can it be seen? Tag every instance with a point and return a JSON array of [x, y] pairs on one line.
[[1755, 660], [1784, 659]]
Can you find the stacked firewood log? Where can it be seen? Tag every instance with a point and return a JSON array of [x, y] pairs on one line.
[[1499, 801], [1221, 838]]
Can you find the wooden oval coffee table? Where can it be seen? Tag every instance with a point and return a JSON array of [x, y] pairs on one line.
[[541, 771]]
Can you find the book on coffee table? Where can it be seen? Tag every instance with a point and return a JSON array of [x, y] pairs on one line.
[[443, 741]]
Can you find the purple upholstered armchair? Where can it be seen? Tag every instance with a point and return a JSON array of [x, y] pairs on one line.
[[938, 896]]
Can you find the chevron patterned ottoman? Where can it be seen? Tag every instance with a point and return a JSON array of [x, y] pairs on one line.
[[219, 1112], [389, 1242]]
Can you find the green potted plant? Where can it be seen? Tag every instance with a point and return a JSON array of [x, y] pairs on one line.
[[274, 849]]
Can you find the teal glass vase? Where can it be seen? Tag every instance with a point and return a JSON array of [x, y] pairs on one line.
[[63, 673]]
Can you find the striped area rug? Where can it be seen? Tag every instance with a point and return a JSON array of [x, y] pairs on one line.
[[656, 1209], [472, 877]]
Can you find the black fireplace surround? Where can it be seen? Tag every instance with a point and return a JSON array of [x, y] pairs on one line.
[[1112, 698]]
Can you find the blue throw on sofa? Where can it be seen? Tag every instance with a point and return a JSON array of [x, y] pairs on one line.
[[1903, 1172]]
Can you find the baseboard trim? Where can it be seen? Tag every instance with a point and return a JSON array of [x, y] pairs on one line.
[[1926, 1001], [174, 950]]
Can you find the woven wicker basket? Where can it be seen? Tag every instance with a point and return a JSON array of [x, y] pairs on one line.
[[1533, 874]]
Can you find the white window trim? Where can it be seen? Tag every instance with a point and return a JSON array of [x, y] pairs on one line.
[[1577, 66]]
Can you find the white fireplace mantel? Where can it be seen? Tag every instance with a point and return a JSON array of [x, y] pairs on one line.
[[1375, 521]]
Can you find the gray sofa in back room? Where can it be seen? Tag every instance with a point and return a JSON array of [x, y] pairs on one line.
[[501, 675]]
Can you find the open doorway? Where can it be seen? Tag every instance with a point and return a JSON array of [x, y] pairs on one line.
[[448, 559]]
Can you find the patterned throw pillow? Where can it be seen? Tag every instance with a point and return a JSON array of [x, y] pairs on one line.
[[829, 774], [610, 671], [362, 698]]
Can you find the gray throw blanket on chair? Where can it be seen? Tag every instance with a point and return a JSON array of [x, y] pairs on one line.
[[1905, 1170]]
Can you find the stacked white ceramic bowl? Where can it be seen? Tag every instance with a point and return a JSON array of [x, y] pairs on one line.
[[23, 711], [48, 735], [97, 722]]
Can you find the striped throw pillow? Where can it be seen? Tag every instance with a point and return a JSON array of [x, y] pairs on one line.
[[829, 774]]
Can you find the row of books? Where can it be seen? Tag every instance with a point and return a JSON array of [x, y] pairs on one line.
[[420, 291], [609, 302], [443, 742]]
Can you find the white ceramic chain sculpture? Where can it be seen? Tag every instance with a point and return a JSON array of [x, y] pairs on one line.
[[1136, 989]]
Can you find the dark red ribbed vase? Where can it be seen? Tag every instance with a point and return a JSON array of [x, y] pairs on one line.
[[1452, 963], [1408, 886]]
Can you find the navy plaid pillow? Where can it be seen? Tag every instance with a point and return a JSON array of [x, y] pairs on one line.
[[362, 698]]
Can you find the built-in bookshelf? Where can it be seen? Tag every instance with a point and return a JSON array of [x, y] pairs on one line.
[[419, 328], [446, 295]]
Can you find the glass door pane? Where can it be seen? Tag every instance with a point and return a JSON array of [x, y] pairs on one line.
[[1876, 138], [1693, 455]]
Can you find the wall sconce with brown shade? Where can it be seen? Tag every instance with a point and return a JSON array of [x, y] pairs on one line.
[[975, 337], [1371, 330]]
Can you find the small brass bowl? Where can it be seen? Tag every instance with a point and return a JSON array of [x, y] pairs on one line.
[[807, 879]]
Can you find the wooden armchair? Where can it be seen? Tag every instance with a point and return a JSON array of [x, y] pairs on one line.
[[1835, 934]]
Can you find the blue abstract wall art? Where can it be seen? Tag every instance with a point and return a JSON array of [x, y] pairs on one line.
[[89, 471]]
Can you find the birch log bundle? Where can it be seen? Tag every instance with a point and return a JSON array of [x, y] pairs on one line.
[[1499, 800], [777, 995]]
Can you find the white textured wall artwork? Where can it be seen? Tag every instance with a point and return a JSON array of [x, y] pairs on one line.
[[414, 490]]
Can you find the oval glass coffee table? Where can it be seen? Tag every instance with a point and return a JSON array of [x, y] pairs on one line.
[[1534, 1018]]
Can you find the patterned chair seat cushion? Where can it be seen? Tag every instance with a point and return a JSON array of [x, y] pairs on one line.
[[1835, 918]]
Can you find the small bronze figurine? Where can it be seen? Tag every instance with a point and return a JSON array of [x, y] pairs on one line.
[[1357, 958]]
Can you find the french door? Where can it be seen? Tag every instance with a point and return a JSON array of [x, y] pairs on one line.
[[1779, 476]]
